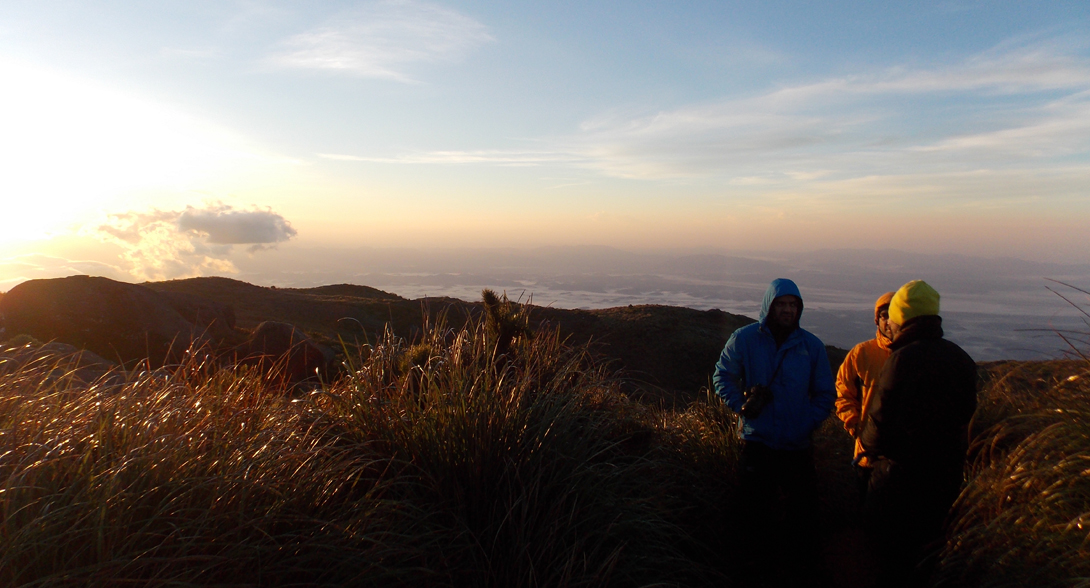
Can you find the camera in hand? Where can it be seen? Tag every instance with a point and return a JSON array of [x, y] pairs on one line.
[[757, 398]]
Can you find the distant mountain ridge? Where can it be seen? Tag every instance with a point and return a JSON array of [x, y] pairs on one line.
[[664, 351]]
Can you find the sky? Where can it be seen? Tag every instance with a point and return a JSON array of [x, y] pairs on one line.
[[159, 140]]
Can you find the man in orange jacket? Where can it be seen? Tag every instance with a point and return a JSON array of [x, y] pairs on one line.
[[856, 380]]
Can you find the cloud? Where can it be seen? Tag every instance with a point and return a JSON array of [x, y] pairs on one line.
[[161, 244], [1007, 68], [380, 38], [1059, 128], [494, 157], [987, 128], [1010, 106], [225, 225]]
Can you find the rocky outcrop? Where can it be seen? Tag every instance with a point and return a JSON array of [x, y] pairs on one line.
[[61, 363], [287, 354], [122, 322], [131, 323], [215, 320]]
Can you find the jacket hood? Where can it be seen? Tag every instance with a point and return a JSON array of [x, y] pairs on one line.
[[883, 341], [779, 287], [883, 300]]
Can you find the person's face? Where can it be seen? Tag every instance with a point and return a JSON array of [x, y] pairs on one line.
[[784, 311], [883, 322], [894, 329]]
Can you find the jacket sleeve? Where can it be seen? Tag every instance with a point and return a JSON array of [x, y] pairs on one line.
[[849, 396], [875, 434], [822, 388], [729, 376]]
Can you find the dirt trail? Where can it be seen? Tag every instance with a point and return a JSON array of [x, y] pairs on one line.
[[844, 546]]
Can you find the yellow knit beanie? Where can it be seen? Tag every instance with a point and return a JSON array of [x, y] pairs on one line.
[[914, 299]]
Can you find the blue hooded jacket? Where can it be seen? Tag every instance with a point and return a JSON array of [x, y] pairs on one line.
[[797, 372]]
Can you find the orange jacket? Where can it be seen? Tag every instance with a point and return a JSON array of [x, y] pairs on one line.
[[858, 377]]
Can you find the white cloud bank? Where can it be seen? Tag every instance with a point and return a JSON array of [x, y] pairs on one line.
[[379, 39], [164, 244]]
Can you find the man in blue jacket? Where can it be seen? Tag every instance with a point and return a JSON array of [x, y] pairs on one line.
[[776, 377]]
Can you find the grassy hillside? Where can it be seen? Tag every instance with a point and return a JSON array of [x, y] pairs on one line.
[[442, 463], [482, 455], [664, 351]]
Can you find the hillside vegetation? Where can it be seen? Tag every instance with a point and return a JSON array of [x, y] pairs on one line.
[[483, 456], [480, 452], [665, 352], [1024, 517]]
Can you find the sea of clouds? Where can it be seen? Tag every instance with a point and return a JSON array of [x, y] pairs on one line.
[[995, 308]]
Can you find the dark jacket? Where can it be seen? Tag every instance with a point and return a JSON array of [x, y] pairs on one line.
[[915, 433], [919, 413]]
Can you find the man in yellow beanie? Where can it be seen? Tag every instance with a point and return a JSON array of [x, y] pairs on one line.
[[915, 436], [856, 380]]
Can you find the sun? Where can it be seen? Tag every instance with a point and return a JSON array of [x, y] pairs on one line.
[[72, 147]]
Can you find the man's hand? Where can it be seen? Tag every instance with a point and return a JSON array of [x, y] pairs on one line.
[[757, 398]]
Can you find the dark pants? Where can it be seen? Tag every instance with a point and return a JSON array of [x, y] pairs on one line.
[[779, 502], [904, 514], [862, 482]]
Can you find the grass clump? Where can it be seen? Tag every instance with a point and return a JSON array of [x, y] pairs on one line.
[[482, 456], [1024, 517]]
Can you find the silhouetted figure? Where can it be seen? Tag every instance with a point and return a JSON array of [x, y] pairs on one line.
[[915, 435]]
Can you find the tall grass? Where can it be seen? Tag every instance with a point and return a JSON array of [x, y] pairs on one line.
[[1024, 517], [483, 456]]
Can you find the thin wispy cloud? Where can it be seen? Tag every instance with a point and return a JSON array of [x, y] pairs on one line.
[[494, 157], [168, 244], [991, 110], [1013, 103], [1057, 128], [1006, 70], [381, 39], [1005, 128]]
